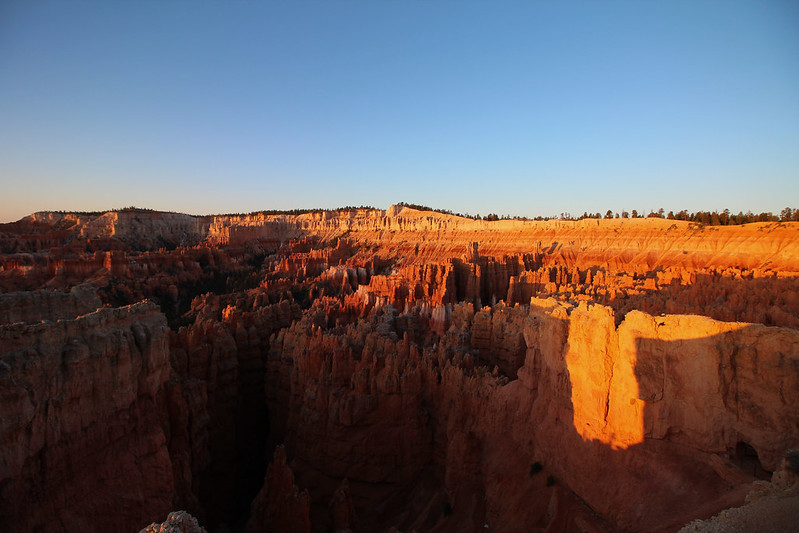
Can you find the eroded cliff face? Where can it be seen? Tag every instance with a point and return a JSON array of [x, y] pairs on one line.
[[424, 237], [398, 369], [641, 421], [137, 227], [660, 406], [42, 305], [82, 411]]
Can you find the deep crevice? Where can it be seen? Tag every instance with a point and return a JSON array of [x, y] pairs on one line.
[[747, 459]]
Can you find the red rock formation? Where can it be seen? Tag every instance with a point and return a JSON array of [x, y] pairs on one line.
[[36, 306], [398, 351], [280, 507], [657, 395], [770, 506], [608, 402], [188, 429], [206, 352], [130, 225], [81, 423], [424, 237], [342, 511], [176, 522], [617, 243]]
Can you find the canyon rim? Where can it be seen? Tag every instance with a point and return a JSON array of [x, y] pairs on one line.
[[393, 370]]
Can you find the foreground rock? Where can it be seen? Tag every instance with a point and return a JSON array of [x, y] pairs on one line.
[[623, 403], [176, 522], [770, 506], [81, 412]]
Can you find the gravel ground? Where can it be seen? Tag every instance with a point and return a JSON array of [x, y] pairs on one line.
[[772, 507], [777, 514]]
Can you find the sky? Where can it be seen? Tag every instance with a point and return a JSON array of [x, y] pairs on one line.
[[518, 108]]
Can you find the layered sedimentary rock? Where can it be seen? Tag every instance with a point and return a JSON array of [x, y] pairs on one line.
[[421, 371], [148, 228], [674, 394], [37, 306], [221, 355], [280, 506], [615, 243], [770, 506], [82, 413]]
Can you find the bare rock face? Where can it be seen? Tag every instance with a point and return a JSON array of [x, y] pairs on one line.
[[81, 422], [628, 243], [421, 371], [770, 506], [657, 394], [133, 226], [206, 352], [35, 306], [280, 506], [615, 243], [672, 394], [342, 510], [176, 522]]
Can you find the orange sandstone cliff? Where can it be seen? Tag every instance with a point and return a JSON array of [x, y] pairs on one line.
[[400, 370]]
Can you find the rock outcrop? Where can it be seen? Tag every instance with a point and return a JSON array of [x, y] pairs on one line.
[[137, 227], [676, 394], [176, 522], [37, 306], [82, 407], [770, 506], [280, 507], [402, 369], [628, 243], [623, 403]]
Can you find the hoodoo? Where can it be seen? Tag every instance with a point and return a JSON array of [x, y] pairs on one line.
[[395, 370]]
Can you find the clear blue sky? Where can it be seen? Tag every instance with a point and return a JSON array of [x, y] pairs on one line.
[[524, 108]]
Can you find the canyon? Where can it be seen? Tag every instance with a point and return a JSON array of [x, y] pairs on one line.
[[391, 370]]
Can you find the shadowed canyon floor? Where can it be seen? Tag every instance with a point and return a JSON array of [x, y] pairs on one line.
[[395, 370]]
